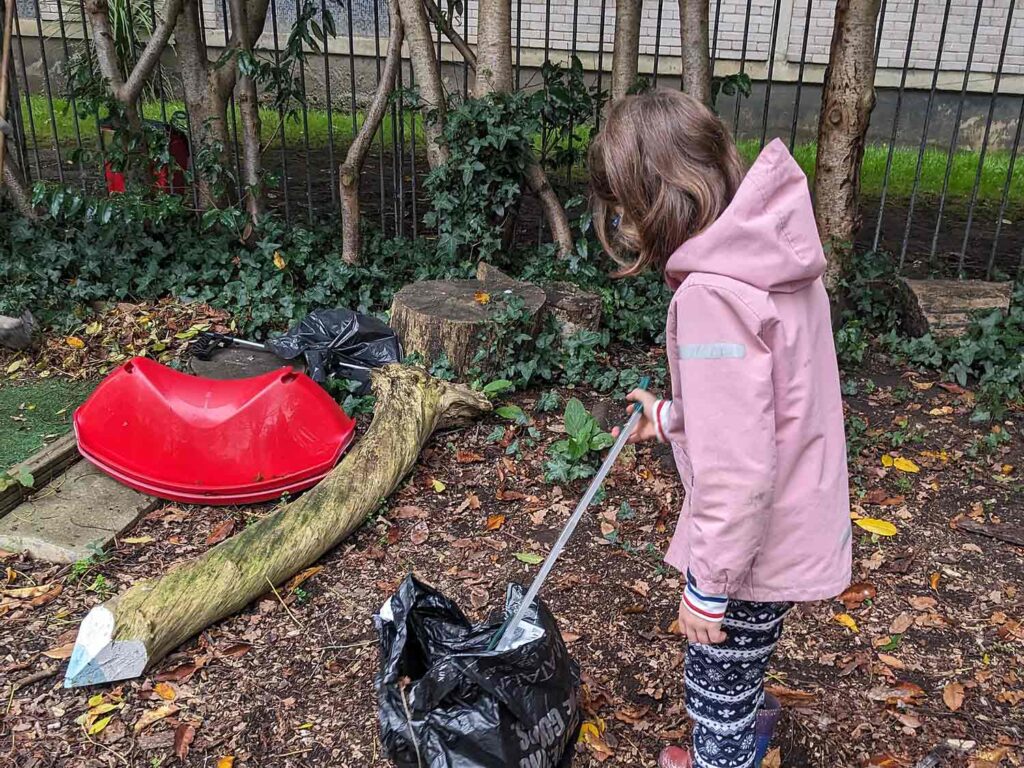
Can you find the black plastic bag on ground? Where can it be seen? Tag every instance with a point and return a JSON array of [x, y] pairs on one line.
[[448, 702], [339, 343]]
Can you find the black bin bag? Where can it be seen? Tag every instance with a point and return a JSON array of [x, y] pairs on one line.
[[448, 702], [339, 343]]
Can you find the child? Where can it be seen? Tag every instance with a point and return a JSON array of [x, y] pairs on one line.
[[756, 419]]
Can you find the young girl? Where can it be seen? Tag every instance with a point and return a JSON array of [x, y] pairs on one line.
[[756, 419]]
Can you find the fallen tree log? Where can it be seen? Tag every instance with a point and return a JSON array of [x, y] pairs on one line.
[[120, 638]]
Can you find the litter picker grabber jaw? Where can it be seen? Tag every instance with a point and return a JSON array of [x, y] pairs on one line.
[[511, 631]]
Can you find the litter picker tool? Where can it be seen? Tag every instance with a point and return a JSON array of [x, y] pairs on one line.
[[507, 634]]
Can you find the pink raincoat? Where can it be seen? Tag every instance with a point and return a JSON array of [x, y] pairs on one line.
[[756, 420]]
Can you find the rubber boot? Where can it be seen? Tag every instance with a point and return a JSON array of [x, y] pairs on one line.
[[767, 718]]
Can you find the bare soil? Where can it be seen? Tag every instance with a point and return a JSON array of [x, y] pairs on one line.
[[929, 648]]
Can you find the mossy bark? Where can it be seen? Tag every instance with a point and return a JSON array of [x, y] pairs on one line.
[[164, 612]]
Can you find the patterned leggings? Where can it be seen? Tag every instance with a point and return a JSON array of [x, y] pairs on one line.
[[725, 684]]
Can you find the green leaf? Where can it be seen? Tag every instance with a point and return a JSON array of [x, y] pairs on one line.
[[530, 558], [496, 387], [25, 478], [512, 413], [600, 441], [577, 420]]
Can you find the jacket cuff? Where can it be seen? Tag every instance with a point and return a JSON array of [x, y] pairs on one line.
[[702, 604], [662, 413]]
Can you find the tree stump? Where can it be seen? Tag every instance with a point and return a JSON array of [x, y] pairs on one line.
[[455, 317], [574, 308], [944, 308]]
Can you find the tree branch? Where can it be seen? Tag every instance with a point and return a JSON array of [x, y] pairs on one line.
[[353, 165], [449, 31], [151, 53], [127, 92]]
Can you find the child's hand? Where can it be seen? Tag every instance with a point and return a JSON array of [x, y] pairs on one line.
[[645, 430], [699, 630]]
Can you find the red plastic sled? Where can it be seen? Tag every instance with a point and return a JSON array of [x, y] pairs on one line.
[[207, 441]]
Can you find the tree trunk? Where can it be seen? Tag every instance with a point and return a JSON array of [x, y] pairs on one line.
[[847, 98], [348, 174], [14, 185], [696, 59], [428, 77], [494, 48], [249, 111], [120, 638], [626, 48], [494, 57]]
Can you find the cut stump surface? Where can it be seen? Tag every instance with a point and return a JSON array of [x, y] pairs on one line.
[[454, 317], [944, 308]]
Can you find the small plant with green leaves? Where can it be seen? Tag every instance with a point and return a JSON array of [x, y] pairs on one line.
[[17, 476], [569, 459]]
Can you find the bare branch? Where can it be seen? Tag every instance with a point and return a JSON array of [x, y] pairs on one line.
[[449, 31], [353, 165], [151, 53]]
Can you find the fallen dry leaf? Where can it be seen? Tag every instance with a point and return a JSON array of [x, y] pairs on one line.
[[301, 577], [901, 623], [183, 736], [847, 621], [151, 716], [891, 661], [420, 533], [924, 603], [902, 692], [877, 527], [953, 695], [60, 652], [165, 691], [409, 512], [494, 522], [468, 457], [856, 594], [221, 532], [228, 761]]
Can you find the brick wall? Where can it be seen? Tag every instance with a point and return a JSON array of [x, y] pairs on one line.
[[927, 33]]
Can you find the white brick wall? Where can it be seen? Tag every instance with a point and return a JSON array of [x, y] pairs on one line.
[[928, 30], [731, 25]]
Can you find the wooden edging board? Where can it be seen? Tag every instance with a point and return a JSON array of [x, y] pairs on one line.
[[45, 465]]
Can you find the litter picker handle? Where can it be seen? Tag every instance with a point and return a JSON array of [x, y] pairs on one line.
[[507, 632]]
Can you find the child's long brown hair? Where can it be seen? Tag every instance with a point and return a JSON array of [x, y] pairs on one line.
[[666, 166]]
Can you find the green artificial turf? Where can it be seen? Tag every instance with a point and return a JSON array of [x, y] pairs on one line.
[[33, 414]]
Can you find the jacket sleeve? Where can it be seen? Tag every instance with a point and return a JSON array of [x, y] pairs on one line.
[[725, 375]]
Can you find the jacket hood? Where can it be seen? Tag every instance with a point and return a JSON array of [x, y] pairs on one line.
[[766, 237]]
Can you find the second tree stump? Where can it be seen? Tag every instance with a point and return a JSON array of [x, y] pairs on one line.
[[456, 317]]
